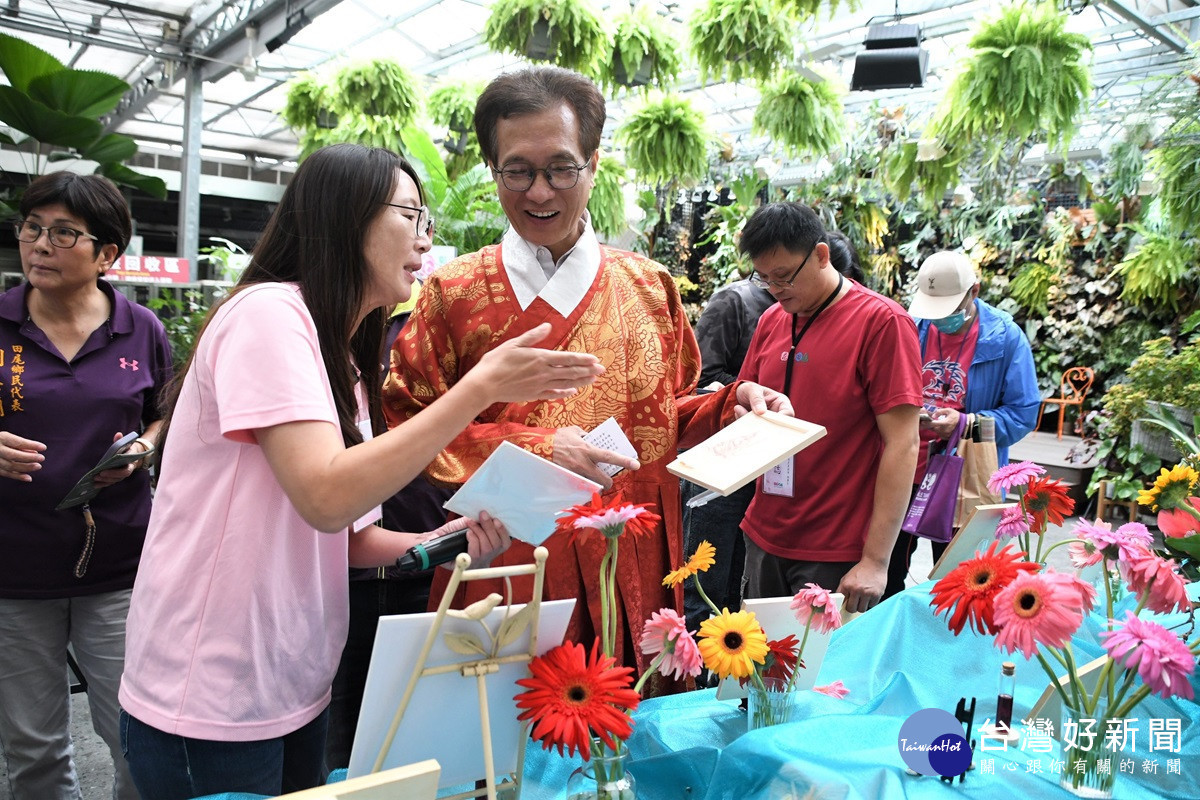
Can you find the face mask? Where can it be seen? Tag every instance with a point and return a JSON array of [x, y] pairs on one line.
[[952, 323]]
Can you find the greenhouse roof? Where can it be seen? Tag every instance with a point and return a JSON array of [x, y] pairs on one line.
[[247, 50]]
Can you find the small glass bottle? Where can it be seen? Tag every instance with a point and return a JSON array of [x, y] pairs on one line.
[[1004, 697]]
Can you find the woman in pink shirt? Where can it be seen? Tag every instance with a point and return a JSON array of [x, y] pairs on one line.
[[275, 461]]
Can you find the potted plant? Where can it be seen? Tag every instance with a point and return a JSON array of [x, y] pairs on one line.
[[1160, 268], [1027, 76], [607, 203], [569, 33], [803, 115], [54, 113], [308, 104], [378, 88], [735, 39], [452, 103], [666, 141], [644, 52]]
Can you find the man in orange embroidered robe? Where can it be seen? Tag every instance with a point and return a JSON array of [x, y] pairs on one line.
[[540, 132]]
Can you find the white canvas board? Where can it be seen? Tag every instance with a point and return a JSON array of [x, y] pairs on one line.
[[743, 450], [442, 719], [412, 782], [976, 534], [778, 620], [524, 491]]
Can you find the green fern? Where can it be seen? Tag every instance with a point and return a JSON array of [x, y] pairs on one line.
[[1027, 75], [735, 39], [807, 9], [607, 203], [1031, 287], [666, 140], [1176, 162], [581, 39], [641, 34], [1160, 270], [381, 88], [804, 116], [933, 178], [452, 103], [306, 99]]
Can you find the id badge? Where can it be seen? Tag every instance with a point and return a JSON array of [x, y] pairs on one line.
[[778, 479]]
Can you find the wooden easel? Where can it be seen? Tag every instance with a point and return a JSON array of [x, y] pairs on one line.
[[479, 668]]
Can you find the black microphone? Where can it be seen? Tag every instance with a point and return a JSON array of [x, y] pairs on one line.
[[435, 551]]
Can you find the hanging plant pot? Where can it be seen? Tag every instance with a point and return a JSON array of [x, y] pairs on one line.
[[640, 78], [326, 119], [540, 46], [569, 33]]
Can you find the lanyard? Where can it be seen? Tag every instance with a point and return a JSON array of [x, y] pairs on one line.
[[796, 337]]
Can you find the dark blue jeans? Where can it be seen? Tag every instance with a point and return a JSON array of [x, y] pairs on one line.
[[719, 522], [166, 766]]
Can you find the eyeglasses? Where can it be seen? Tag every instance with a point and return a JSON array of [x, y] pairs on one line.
[[423, 222], [771, 283], [560, 175], [59, 235]]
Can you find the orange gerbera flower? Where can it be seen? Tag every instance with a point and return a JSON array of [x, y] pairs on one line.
[[571, 696], [970, 589], [1047, 499], [704, 557], [612, 518]]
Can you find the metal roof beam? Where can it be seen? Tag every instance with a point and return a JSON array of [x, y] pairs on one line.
[[1145, 25]]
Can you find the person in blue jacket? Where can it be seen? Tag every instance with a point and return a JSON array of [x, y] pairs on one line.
[[975, 361]]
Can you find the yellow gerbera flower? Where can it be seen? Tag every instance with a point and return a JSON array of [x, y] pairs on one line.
[[1171, 488], [704, 557], [732, 643]]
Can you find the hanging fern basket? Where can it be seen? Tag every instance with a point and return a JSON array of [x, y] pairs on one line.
[[666, 140], [803, 115], [568, 33]]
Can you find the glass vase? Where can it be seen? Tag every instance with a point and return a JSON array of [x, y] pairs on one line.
[[1090, 767], [772, 704], [604, 777]]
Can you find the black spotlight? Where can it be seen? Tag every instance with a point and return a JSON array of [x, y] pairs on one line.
[[893, 58]]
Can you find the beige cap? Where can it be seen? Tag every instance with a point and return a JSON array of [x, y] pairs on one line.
[[942, 282]]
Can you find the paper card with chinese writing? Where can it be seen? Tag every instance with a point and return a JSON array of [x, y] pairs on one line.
[[743, 450], [524, 491], [608, 435]]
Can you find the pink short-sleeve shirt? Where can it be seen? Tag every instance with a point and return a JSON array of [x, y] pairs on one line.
[[239, 610]]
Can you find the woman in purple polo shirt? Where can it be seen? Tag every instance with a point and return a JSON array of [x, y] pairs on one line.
[[79, 365]]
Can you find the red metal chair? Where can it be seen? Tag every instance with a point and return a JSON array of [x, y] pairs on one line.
[[1072, 390]]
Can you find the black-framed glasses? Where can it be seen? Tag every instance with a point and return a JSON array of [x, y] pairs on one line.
[[60, 236], [560, 175], [772, 283], [423, 222]]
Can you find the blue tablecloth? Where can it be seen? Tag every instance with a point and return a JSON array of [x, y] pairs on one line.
[[896, 660]]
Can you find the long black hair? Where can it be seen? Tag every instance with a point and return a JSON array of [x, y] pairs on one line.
[[315, 239]]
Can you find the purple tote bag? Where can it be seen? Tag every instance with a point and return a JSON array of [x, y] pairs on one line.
[[931, 514]]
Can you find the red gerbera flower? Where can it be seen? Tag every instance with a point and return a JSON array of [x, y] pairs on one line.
[[1047, 499], [972, 586], [572, 696], [781, 660], [612, 518]]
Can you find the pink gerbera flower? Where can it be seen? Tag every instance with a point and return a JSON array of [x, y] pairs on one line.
[[666, 632], [1151, 575], [1084, 554], [837, 689], [1164, 662], [1114, 545], [815, 603], [1011, 475], [1039, 608], [1013, 522]]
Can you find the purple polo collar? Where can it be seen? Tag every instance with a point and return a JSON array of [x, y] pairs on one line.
[[12, 307]]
